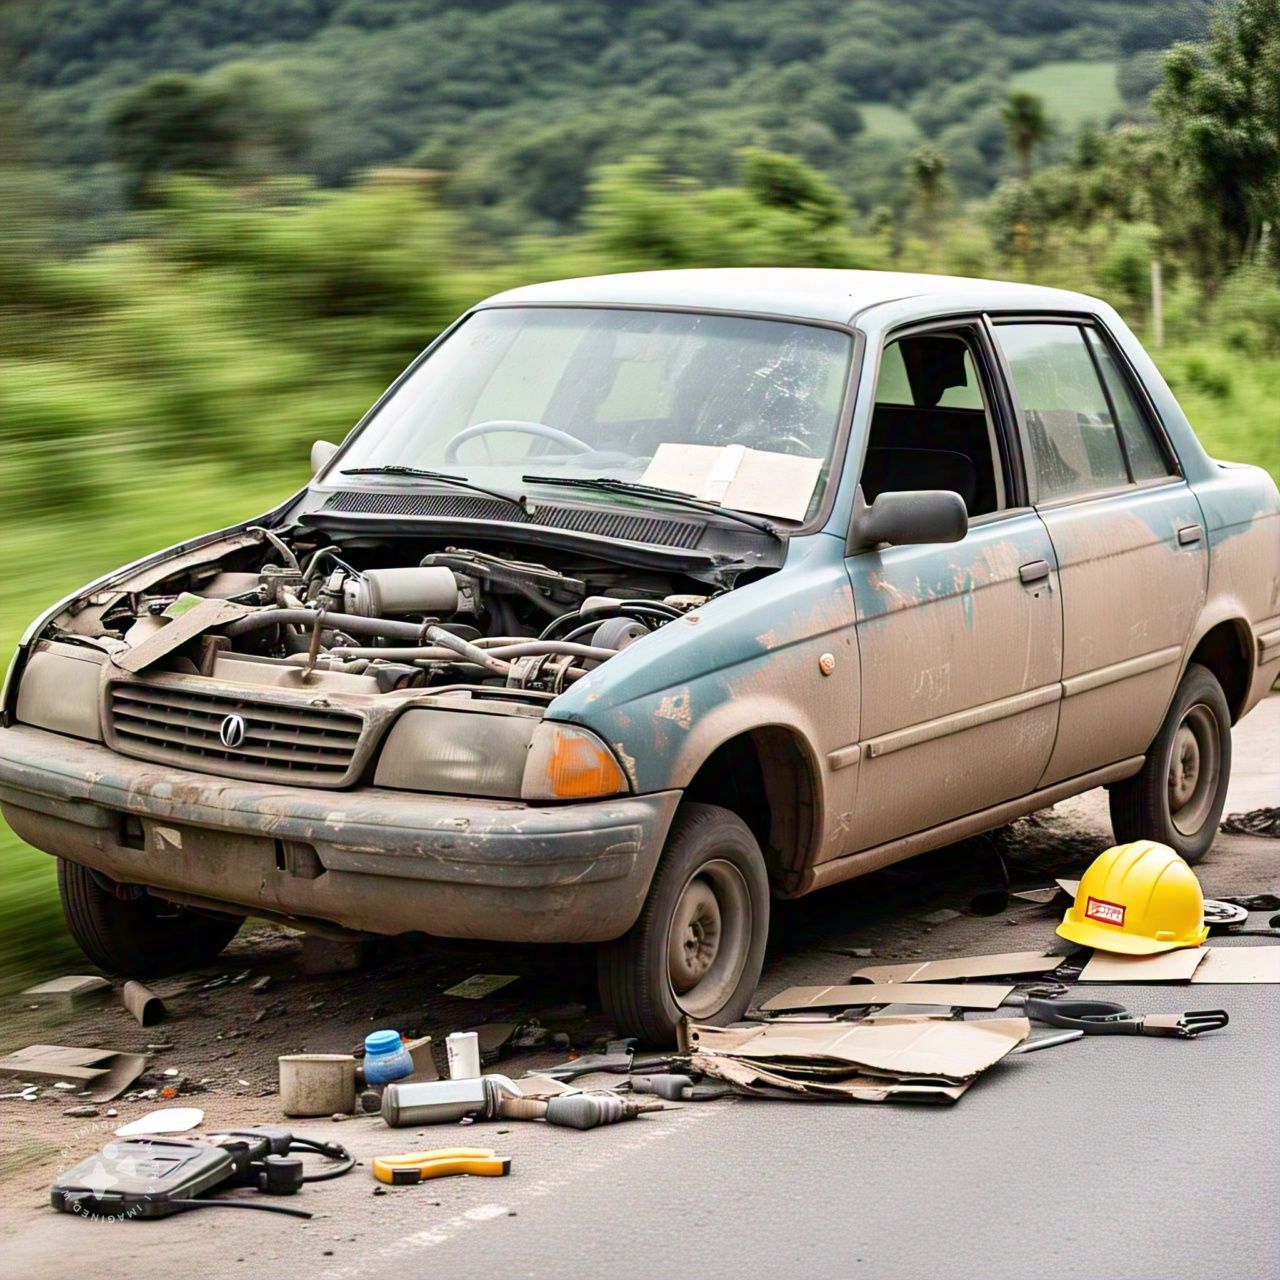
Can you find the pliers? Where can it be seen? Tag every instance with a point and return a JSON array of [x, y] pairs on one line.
[[1105, 1018]]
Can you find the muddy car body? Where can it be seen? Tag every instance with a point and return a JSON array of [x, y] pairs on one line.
[[640, 599]]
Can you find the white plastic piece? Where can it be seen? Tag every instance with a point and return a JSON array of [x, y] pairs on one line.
[[165, 1120]]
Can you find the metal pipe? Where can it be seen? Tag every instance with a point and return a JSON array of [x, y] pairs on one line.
[[352, 622], [472, 653]]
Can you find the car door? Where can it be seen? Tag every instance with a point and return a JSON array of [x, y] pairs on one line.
[[960, 644], [1126, 533]]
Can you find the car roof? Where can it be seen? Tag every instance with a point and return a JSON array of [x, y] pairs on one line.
[[805, 293]]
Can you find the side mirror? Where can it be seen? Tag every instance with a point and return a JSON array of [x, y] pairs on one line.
[[321, 455], [907, 516]]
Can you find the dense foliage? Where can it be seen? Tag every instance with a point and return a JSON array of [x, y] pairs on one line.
[[519, 102]]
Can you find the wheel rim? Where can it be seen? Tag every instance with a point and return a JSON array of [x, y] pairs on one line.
[[708, 938], [1195, 764]]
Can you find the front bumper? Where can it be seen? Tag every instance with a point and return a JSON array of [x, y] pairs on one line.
[[370, 859]]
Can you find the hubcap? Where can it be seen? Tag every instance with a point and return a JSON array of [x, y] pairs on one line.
[[709, 938], [1194, 767]]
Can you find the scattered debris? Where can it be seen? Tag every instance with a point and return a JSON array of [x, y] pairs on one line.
[[1239, 964], [321, 956], [941, 916], [105, 1073], [918, 1059], [959, 995], [480, 985], [144, 1004], [1164, 966], [163, 1120], [260, 984], [1042, 897], [992, 966], [317, 1084], [1257, 822], [70, 991], [84, 1112]]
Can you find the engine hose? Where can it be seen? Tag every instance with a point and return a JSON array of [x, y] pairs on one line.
[[441, 653], [473, 653], [354, 623]]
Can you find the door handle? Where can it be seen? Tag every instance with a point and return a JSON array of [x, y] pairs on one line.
[[1189, 535], [1034, 571]]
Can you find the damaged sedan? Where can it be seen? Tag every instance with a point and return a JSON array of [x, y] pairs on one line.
[[639, 601]]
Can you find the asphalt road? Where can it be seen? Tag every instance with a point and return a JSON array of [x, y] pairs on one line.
[[1105, 1157]]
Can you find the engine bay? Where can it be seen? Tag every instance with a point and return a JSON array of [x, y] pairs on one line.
[[375, 615]]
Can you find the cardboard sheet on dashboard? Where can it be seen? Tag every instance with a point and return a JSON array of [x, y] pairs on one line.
[[757, 480]]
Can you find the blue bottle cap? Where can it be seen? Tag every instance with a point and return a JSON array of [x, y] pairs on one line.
[[382, 1042]]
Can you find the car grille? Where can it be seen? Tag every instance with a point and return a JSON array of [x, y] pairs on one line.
[[281, 742]]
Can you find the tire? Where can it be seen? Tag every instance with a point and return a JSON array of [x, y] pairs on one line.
[[698, 946], [137, 936], [1178, 795]]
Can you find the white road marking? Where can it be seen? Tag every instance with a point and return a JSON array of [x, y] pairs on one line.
[[641, 1135]]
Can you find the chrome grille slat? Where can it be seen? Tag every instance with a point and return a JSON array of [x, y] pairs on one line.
[[297, 744], [216, 708]]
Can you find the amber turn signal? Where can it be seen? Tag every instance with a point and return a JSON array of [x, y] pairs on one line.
[[569, 763]]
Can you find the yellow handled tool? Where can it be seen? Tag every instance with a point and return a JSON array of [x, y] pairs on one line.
[[418, 1166]]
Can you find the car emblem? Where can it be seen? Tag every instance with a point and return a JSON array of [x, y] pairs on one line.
[[232, 732]]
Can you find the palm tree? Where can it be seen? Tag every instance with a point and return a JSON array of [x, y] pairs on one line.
[[927, 171], [1027, 127]]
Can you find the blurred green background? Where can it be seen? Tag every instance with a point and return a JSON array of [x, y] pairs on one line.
[[225, 225]]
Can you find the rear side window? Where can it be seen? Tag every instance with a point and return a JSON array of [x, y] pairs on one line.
[[1146, 458], [1074, 446]]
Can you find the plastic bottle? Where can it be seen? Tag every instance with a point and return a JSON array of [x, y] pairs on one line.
[[385, 1058]]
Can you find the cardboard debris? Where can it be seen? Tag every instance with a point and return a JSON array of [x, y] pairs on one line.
[[959, 995], [480, 985], [104, 1072], [1012, 962], [1165, 966], [1239, 964], [1042, 897], [190, 616], [70, 991], [918, 1058]]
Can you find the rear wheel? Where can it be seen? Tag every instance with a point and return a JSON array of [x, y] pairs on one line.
[[124, 930], [1178, 795], [698, 946]]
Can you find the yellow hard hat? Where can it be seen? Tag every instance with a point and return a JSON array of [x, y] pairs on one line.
[[1137, 899]]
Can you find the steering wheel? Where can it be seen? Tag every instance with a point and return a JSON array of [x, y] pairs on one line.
[[571, 443]]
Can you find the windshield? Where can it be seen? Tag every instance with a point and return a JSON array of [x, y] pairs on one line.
[[728, 409]]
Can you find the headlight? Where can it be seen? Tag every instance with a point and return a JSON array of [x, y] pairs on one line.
[[569, 763], [459, 753], [507, 757], [58, 691]]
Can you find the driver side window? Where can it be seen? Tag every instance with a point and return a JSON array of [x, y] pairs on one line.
[[932, 426]]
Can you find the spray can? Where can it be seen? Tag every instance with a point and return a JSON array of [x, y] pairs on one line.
[[463, 1048]]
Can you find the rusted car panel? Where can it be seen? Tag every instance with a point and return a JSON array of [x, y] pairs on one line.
[[493, 693], [382, 861]]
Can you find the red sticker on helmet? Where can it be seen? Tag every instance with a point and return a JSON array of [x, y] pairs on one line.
[[1105, 912]]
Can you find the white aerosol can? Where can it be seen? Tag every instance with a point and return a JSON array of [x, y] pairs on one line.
[[463, 1048]]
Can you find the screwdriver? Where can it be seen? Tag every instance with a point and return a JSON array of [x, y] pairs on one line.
[[575, 1110], [418, 1166]]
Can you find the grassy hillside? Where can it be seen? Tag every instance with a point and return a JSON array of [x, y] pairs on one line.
[[484, 89]]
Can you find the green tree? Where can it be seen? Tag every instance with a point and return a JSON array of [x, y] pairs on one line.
[[240, 118], [1027, 127], [927, 174], [1220, 103]]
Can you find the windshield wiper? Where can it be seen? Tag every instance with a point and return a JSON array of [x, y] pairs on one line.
[[422, 473], [673, 497]]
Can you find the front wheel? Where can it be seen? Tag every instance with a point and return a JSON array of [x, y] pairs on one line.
[[126, 931], [698, 946], [1178, 795]]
